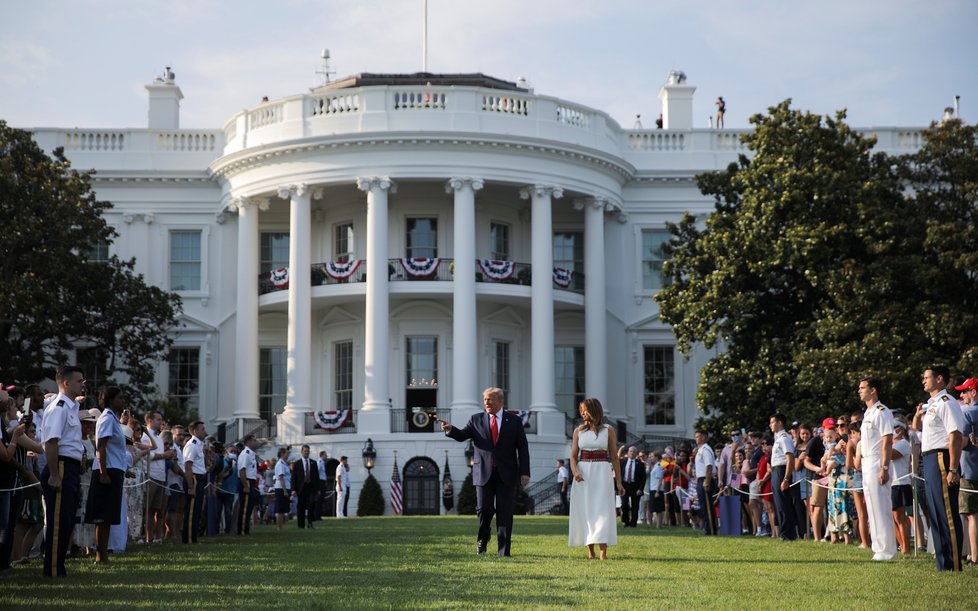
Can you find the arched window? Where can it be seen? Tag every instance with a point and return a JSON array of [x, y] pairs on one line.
[[422, 487]]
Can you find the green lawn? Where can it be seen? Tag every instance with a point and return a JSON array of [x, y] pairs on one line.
[[425, 563]]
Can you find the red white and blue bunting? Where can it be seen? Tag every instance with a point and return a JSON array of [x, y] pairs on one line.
[[524, 415], [420, 267], [497, 270], [279, 277], [341, 270], [331, 420], [563, 277]]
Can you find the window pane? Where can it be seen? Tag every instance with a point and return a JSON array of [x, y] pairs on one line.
[[185, 260], [660, 385], [569, 250], [99, 252], [422, 360], [569, 378], [272, 383], [500, 367], [422, 238], [184, 379], [343, 246], [274, 251], [499, 242], [653, 257], [343, 375]]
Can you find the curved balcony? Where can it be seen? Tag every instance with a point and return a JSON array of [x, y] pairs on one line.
[[419, 270]]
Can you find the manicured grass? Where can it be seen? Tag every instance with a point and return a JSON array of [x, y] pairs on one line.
[[424, 563]]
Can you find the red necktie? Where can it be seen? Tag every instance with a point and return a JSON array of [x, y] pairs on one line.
[[495, 428]]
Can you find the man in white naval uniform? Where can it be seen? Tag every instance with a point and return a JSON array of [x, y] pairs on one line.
[[877, 443]]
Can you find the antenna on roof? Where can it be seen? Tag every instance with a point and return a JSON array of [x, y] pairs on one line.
[[324, 72]]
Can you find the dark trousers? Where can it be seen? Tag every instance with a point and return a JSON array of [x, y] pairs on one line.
[[306, 508], [246, 505], [10, 503], [629, 504], [705, 492], [192, 513], [60, 507], [225, 509], [942, 509], [783, 505], [496, 498], [564, 505]]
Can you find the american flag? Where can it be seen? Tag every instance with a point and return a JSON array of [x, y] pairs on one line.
[[396, 489]]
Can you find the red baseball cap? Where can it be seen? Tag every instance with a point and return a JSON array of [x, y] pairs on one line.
[[969, 384], [828, 423]]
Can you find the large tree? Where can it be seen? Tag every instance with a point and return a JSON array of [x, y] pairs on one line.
[[58, 294], [815, 268]]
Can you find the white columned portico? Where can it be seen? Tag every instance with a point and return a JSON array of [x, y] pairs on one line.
[[595, 322], [246, 316], [298, 400], [550, 422], [374, 415], [465, 354]]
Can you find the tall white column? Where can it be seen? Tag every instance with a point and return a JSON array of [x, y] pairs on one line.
[[246, 316], [595, 322], [465, 354], [298, 399], [542, 300], [374, 415]]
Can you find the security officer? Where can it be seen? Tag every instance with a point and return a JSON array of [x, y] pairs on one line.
[[248, 474], [782, 470], [705, 465], [940, 420], [195, 473], [61, 478], [876, 441]]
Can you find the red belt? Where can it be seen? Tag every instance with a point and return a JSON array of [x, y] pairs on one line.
[[593, 456]]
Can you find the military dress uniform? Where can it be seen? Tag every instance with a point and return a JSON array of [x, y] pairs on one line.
[[193, 452], [942, 416], [704, 486], [784, 504], [878, 423], [61, 424], [248, 462]]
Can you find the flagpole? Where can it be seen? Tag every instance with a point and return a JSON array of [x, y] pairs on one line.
[[424, 40]]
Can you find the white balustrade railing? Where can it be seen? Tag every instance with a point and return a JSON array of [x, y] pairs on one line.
[[573, 115], [182, 141], [332, 104], [507, 104], [657, 141], [265, 115], [95, 141], [405, 100]]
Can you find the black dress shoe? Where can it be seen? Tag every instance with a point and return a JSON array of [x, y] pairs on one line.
[[480, 547]]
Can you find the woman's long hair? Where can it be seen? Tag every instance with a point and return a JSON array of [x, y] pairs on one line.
[[107, 395], [595, 413]]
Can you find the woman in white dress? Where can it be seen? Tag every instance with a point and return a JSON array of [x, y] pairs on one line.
[[592, 501]]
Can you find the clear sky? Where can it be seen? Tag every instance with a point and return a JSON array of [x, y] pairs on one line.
[[68, 63]]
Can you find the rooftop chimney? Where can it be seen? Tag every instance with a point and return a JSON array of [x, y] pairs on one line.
[[677, 102], [164, 101]]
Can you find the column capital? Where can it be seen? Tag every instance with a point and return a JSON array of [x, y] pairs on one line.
[[541, 191], [460, 182], [595, 203], [286, 191], [384, 183]]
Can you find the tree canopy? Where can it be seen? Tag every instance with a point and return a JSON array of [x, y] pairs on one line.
[[63, 292], [823, 262]]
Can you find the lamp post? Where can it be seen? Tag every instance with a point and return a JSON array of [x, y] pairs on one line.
[[470, 454], [369, 455]]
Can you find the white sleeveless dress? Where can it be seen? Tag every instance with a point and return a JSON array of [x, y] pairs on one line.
[[592, 502]]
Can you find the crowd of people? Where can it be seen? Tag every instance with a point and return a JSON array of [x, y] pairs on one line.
[[78, 482], [871, 478]]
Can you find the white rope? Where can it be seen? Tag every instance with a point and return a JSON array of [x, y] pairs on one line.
[[20, 487]]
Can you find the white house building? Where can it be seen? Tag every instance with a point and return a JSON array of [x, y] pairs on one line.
[[355, 259]]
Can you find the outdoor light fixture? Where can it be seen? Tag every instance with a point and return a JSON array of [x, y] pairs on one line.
[[369, 455], [470, 454]]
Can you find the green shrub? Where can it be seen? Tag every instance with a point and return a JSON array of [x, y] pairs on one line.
[[466, 497], [371, 501]]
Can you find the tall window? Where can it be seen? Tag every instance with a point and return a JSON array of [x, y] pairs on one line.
[[660, 385], [184, 383], [185, 260], [343, 243], [500, 366], [422, 360], [99, 252], [274, 250], [499, 242], [652, 258], [343, 375], [271, 382], [569, 250], [422, 238], [569, 377]]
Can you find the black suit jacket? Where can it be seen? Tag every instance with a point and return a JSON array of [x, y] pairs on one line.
[[299, 475], [511, 452], [639, 483]]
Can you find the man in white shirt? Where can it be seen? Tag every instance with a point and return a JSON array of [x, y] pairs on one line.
[[563, 479], [782, 470], [342, 487], [195, 474], [283, 479], [248, 477], [941, 422], [321, 497], [705, 465], [876, 443], [156, 488]]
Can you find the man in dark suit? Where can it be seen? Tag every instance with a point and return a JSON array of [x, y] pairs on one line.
[[633, 481], [502, 460], [305, 483]]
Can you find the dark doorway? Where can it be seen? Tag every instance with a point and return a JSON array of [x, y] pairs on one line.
[[422, 487], [420, 402]]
